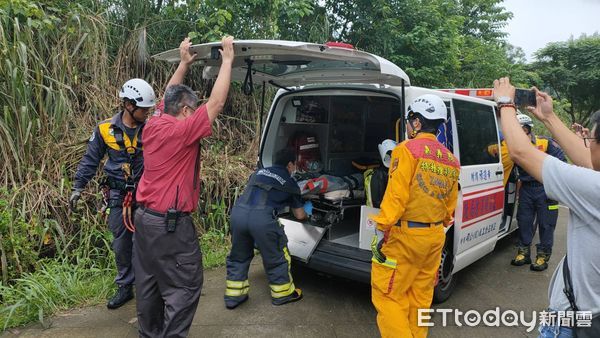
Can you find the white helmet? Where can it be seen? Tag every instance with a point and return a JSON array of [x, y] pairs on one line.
[[385, 151], [525, 120], [139, 91], [430, 106]]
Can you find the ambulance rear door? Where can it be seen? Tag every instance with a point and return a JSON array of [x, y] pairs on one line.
[[480, 205], [292, 63]]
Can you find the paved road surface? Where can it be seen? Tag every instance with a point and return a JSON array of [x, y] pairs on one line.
[[333, 307]]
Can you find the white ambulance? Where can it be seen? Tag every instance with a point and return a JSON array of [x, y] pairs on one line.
[[347, 102]]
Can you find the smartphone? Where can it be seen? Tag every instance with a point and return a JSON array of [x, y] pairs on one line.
[[214, 53], [525, 98]]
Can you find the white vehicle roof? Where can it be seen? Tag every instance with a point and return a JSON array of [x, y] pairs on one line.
[[292, 63]]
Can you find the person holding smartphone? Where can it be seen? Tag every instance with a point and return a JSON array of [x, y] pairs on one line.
[[577, 186]]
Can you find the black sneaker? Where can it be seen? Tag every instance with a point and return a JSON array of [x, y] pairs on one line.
[[122, 296], [295, 296]]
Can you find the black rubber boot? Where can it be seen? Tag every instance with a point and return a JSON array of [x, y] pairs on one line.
[[295, 296], [232, 304], [122, 296], [541, 261], [523, 256]]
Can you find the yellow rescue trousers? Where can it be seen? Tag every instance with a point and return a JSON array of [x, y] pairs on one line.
[[398, 292]]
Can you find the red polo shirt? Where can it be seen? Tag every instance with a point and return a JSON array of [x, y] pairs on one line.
[[171, 148]]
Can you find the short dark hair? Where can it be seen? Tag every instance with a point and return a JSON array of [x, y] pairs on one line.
[[177, 97], [285, 156], [428, 126], [595, 122]]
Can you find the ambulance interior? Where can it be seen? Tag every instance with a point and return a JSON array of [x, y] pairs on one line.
[[336, 137]]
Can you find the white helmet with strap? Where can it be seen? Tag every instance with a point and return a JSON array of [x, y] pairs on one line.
[[138, 91], [430, 106], [525, 120], [385, 151]]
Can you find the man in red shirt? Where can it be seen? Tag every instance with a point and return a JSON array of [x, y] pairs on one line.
[[167, 257]]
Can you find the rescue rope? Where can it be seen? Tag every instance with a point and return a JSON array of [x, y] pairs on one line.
[[127, 214]]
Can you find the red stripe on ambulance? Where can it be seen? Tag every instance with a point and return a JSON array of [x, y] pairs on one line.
[[480, 191], [480, 206]]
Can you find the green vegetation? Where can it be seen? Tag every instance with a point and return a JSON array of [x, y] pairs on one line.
[[53, 287], [62, 62], [570, 71]]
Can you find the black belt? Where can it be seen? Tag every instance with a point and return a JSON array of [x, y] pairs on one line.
[[120, 185], [531, 183], [163, 215]]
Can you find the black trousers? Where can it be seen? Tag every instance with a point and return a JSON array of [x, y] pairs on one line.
[[169, 275]]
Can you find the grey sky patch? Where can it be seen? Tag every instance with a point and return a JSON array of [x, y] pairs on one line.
[[537, 22]]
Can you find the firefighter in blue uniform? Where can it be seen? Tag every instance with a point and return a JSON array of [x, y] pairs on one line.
[[121, 138], [535, 205], [254, 221]]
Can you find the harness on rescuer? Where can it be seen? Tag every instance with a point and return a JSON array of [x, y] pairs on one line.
[[131, 148], [130, 179]]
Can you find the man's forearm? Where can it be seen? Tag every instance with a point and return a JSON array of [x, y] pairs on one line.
[[179, 74], [572, 145], [516, 140], [218, 96], [519, 145]]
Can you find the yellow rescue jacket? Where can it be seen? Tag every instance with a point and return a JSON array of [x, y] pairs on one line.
[[423, 183]]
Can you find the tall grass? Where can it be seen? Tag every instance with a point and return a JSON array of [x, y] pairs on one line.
[[46, 72], [53, 287]]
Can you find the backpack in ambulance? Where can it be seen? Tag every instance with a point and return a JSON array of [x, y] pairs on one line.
[[308, 153]]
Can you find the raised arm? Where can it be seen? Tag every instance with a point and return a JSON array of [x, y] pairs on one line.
[[186, 59], [519, 145], [217, 99], [572, 145]]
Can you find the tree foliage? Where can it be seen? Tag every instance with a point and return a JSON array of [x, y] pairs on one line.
[[570, 70], [440, 43]]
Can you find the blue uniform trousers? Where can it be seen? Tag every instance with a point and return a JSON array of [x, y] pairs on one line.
[[535, 205], [250, 226]]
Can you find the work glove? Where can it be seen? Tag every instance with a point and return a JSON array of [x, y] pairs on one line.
[[75, 195], [308, 208], [376, 244]]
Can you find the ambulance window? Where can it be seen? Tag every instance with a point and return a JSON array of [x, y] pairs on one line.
[[382, 114], [476, 127], [347, 125]]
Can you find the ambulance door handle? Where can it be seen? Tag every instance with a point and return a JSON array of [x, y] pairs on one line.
[[499, 172]]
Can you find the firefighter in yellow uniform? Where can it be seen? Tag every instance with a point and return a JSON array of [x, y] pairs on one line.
[[418, 203]]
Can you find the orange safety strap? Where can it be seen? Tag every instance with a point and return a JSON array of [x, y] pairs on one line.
[[127, 215]]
